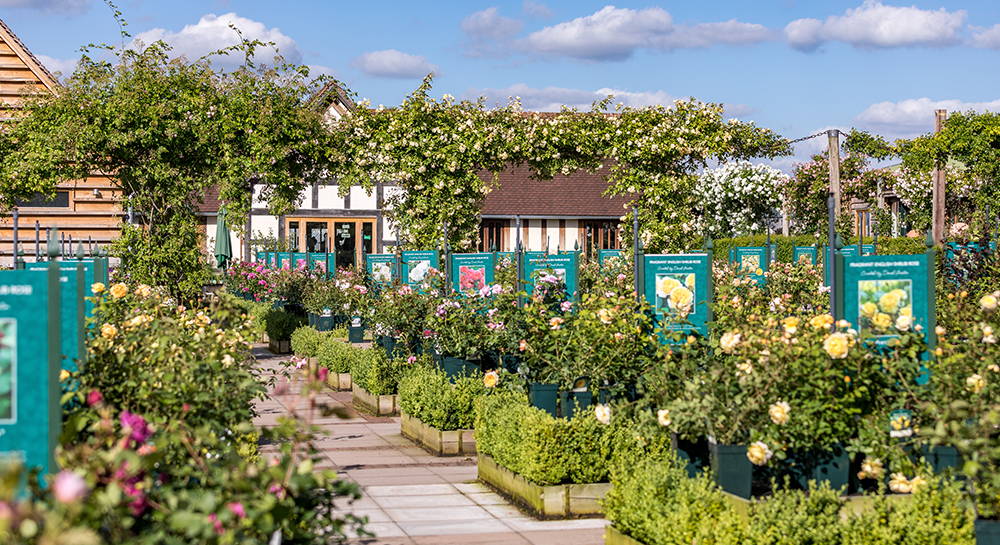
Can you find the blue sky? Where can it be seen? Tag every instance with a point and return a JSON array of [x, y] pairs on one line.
[[796, 66]]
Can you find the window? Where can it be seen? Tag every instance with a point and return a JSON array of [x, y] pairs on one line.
[[61, 200], [293, 236], [863, 223], [491, 235], [600, 235]]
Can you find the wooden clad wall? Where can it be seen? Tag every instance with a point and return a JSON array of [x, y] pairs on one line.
[[93, 207]]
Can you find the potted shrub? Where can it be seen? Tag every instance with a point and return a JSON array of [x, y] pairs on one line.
[[279, 325], [459, 327]]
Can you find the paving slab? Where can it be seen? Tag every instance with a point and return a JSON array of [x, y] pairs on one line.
[[409, 496]]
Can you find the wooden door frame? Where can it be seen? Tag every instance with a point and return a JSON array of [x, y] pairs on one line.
[[330, 221]]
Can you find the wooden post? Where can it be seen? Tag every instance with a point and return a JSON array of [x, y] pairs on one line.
[[939, 184], [833, 152]]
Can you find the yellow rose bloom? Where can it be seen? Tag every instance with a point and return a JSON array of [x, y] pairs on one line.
[[681, 299], [837, 345], [823, 321], [779, 412], [63, 375], [97, 287], [108, 331], [729, 341], [882, 320], [142, 290], [666, 285], [119, 290], [491, 379], [791, 325], [605, 316], [869, 309], [889, 302], [603, 413], [759, 271], [663, 417], [975, 383], [758, 453], [988, 302]]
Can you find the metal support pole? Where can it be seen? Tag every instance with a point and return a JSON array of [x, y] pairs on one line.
[[833, 153], [518, 256], [14, 246], [38, 242], [635, 252], [938, 193]]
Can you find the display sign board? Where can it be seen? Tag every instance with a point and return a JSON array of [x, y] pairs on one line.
[[417, 264], [805, 254], [881, 295], [852, 250], [300, 260], [472, 272], [679, 287], [284, 260], [564, 266], [30, 351], [750, 261], [93, 272], [72, 298], [602, 255], [381, 268]]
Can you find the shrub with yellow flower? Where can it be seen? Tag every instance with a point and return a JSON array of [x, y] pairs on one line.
[[119, 290], [759, 453], [491, 378], [778, 412], [97, 288], [837, 345], [109, 331]]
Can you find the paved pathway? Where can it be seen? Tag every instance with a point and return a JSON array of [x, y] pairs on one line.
[[411, 497]]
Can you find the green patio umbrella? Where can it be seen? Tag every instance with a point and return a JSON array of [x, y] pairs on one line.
[[223, 248]]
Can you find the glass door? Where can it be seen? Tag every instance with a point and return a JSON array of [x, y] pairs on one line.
[[345, 243], [316, 236]]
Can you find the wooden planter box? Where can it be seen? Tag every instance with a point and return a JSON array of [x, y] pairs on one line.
[[279, 347], [439, 443], [554, 501], [383, 405], [338, 381], [613, 537]]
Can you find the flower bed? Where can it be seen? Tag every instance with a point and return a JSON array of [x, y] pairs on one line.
[[438, 442], [552, 501], [377, 404]]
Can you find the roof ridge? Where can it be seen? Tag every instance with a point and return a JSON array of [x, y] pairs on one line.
[[9, 35]]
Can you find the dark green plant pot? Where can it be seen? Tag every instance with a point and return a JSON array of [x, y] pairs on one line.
[[311, 320], [832, 466], [457, 367], [693, 454], [341, 320], [389, 345], [544, 396], [732, 469], [510, 362], [573, 402], [943, 457], [987, 532], [356, 332]]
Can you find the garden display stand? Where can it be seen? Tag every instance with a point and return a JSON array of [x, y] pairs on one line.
[[437, 442], [379, 405], [553, 501]]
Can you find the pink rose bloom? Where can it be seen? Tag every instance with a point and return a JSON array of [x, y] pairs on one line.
[[94, 397], [237, 509], [216, 524], [68, 487]]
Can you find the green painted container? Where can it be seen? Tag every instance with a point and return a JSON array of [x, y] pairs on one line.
[[732, 469], [544, 396]]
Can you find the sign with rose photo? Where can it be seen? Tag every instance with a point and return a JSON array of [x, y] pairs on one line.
[[472, 272], [417, 264], [74, 291], [750, 261], [562, 269], [381, 268], [679, 287], [30, 415], [883, 296], [805, 254]]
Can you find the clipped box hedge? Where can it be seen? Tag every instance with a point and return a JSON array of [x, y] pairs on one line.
[[428, 395], [785, 245]]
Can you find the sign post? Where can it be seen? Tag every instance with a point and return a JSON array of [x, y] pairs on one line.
[[679, 287], [30, 350]]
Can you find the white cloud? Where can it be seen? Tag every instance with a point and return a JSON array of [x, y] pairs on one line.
[[212, 33], [911, 117], [65, 67], [489, 33], [877, 25], [390, 63], [613, 34], [536, 9], [988, 38], [48, 5], [552, 99], [488, 23]]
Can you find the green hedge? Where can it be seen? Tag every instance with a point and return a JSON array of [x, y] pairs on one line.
[[426, 393], [372, 370], [338, 356], [306, 341], [655, 502], [280, 325], [547, 450], [786, 245]]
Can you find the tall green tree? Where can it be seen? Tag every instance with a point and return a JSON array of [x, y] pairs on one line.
[[166, 130]]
